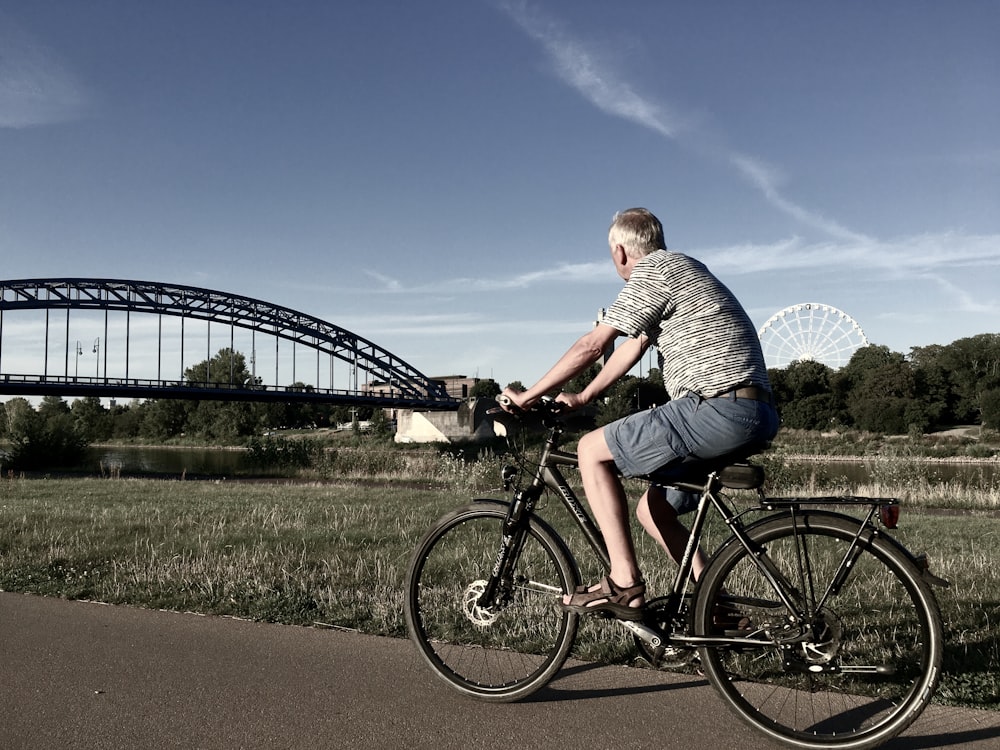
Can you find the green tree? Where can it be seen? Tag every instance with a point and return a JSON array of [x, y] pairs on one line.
[[43, 439], [92, 419], [53, 406], [619, 400], [380, 426], [581, 381], [816, 412], [220, 420], [228, 367], [126, 420], [933, 385], [990, 406], [487, 388], [804, 395], [880, 388], [973, 365], [300, 414], [162, 419], [18, 412], [631, 394]]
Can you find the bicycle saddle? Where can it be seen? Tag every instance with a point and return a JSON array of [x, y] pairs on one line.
[[732, 469]]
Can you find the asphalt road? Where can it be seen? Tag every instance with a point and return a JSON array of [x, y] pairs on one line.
[[83, 675]]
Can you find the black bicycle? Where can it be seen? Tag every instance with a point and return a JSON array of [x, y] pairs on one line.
[[812, 622]]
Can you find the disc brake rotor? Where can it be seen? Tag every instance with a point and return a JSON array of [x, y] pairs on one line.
[[481, 617], [827, 630]]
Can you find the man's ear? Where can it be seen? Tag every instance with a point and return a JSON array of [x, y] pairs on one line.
[[619, 255]]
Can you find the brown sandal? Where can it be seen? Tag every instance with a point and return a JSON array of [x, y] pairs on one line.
[[608, 599]]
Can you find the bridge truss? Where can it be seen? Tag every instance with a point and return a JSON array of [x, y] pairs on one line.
[[391, 382]]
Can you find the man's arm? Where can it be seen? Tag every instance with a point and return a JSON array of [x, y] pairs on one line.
[[584, 352], [623, 360]]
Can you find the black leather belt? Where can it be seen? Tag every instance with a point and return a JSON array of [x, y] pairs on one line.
[[753, 392]]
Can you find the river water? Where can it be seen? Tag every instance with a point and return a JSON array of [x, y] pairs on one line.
[[132, 460], [982, 474], [145, 460]]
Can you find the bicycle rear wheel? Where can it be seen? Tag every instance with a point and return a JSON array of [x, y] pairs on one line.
[[867, 661], [504, 652]]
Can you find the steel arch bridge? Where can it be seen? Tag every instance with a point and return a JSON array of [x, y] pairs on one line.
[[391, 382]]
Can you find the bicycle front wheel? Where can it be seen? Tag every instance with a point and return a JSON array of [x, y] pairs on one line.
[[866, 661], [512, 648]]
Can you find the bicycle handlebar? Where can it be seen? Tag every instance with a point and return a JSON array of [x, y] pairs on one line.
[[546, 406]]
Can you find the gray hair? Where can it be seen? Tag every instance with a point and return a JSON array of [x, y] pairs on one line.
[[638, 231]]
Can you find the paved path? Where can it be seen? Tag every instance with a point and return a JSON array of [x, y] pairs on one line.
[[91, 676]]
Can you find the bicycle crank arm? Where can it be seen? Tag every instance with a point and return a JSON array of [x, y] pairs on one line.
[[649, 636]]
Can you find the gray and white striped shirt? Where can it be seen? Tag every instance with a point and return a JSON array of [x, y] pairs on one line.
[[706, 341]]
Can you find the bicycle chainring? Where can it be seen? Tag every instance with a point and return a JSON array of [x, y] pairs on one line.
[[669, 656]]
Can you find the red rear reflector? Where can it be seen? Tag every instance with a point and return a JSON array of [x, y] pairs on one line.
[[889, 515]]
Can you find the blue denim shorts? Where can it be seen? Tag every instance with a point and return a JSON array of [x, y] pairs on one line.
[[684, 429]]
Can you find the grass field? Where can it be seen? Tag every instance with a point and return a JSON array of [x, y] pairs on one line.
[[336, 553]]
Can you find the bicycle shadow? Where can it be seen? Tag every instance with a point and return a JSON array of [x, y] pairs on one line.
[[581, 688], [944, 726], [938, 727]]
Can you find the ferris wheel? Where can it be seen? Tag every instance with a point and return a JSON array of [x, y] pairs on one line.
[[810, 331]]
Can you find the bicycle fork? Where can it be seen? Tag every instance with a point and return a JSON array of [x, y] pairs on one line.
[[498, 587]]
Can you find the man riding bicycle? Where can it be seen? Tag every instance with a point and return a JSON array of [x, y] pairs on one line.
[[713, 371]]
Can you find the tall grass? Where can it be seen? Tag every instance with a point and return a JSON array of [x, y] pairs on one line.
[[335, 551]]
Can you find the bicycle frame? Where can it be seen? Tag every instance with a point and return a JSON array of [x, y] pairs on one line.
[[549, 476]]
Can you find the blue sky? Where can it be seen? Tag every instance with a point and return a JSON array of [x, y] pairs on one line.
[[439, 177]]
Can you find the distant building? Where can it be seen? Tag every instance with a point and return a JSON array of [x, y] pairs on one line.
[[457, 386], [468, 422]]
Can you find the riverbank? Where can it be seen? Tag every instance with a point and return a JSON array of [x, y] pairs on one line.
[[335, 553], [834, 458]]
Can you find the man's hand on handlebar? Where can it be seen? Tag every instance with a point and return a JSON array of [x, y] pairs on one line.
[[512, 402], [571, 400]]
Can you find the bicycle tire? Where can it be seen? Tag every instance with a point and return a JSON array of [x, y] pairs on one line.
[[873, 659], [503, 655]]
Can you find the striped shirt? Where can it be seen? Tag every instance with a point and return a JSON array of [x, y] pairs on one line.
[[706, 341]]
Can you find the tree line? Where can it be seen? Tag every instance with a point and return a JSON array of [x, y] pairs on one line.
[[56, 433], [882, 391], [878, 391]]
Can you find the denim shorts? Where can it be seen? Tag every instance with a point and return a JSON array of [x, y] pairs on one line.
[[686, 429]]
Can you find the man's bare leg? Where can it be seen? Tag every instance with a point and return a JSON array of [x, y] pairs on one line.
[[608, 503], [660, 521]]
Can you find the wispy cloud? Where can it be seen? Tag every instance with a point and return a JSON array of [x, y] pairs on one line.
[[35, 88], [965, 301], [904, 257], [929, 256], [452, 324], [386, 283], [563, 273], [766, 179], [581, 69]]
